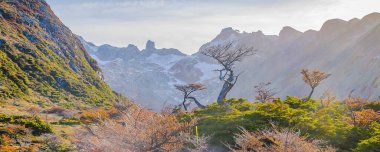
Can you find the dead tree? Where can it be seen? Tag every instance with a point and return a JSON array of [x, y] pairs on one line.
[[227, 55], [327, 98], [313, 79], [264, 94], [187, 89]]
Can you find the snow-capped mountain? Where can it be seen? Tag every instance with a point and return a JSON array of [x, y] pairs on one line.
[[349, 50], [148, 76]]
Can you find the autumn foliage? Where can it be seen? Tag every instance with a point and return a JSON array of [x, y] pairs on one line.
[[136, 129], [276, 140], [313, 78]]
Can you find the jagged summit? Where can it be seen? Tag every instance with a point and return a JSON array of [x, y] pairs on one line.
[[228, 30], [133, 48], [226, 33], [150, 45], [289, 32], [259, 32]]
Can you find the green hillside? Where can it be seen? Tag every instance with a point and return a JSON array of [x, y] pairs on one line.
[[42, 60]]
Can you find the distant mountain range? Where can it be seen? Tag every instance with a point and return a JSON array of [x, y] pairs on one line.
[[349, 50], [148, 76]]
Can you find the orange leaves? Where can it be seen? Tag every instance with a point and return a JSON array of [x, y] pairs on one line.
[[366, 117], [5, 139], [359, 115], [314, 77], [7, 145], [135, 129], [94, 115], [276, 140], [355, 103], [8, 148]]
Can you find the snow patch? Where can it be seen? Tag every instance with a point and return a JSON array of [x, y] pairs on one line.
[[165, 61], [208, 70], [100, 62]]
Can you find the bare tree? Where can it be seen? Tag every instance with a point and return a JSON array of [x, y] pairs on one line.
[[198, 144], [327, 98], [276, 140], [264, 94], [137, 129], [187, 89], [313, 79], [227, 55]]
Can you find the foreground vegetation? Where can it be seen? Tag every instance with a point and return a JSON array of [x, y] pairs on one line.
[[123, 126], [349, 125], [293, 124]]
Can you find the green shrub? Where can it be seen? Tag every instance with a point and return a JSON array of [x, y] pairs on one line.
[[330, 123], [37, 126], [68, 121], [372, 143]]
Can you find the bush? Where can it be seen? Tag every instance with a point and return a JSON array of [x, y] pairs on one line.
[[36, 124], [54, 144], [373, 142], [332, 123], [94, 115], [68, 121], [276, 140]]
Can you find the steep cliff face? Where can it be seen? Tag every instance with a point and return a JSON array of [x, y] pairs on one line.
[[42, 60]]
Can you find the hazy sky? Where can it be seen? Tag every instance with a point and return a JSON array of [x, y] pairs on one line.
[[187, 24]]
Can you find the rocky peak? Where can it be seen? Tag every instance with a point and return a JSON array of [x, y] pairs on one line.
[[371, 19], [259, 32], [374, 15], [227, 32], [132, 47], [333, 25], [150, 45], [288, 31], [354, 21]]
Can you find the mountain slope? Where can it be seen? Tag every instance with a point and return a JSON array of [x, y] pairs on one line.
[[346, 49], [146, 76], [349, 50], [42, 60]]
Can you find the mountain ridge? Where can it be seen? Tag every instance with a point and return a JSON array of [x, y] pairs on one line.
[[279, 60]]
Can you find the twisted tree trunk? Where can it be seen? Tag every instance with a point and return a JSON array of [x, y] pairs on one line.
[[184, 105], [197, 102], [227, 86], [223, 93], [311, 93]]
